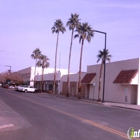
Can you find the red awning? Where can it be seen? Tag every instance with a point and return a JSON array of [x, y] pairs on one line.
[[88, 78], [125, 76]]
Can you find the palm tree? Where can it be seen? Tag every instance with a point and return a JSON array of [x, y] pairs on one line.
[[72, 23], [35, 55], [103, 56], [43, 62], [58, 27], [84, 32]]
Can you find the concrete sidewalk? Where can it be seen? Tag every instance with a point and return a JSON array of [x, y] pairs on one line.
[[119, 105], [9, 119], [6, 117]]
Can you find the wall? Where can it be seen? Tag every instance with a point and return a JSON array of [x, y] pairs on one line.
[[73, 88], [73, 80], [113, 92], [134, 94], [48, 77], [25, 73], [138, 93]]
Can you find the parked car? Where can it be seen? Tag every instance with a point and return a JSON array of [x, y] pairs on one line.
[[11, 87], [5, 86], [19, 87], [26, 88]]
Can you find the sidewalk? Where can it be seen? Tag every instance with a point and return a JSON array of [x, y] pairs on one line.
[[120, 105], [112, 104], [10, 119]]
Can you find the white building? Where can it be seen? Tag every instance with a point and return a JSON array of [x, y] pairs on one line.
[[122, 81], [29, 75], [48, 79]]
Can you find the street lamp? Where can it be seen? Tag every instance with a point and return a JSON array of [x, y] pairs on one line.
[[104, 63], [8, 66]]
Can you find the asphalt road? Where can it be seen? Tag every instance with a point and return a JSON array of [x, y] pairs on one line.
[[46, 117]]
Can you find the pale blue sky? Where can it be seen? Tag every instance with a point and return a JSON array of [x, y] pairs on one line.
[[26, 25]]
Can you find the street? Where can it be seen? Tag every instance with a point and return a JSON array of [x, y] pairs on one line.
[[40, 116]]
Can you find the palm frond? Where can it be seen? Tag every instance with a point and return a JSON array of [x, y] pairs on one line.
[[58, 27], [104, 55], [85, 31], [43, 61], [76, 36], [73, 21], [36, 53]]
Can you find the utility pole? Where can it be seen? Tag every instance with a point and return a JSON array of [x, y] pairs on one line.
[[9, 67], [104, 63]]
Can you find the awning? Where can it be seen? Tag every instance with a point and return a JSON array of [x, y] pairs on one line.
[[125, 76], [88, 78]]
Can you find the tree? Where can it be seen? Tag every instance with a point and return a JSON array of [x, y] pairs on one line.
[[2, 77], [43, 62], [16, 78], [57, 28], [103, 56], [35, 55], [72, 23], [12, 78], [84, 32]]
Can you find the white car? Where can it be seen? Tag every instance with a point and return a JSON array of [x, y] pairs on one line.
[[27, 89], [18, 88], [11, 87]]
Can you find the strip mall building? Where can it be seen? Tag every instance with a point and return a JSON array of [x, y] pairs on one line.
[[122, 81]]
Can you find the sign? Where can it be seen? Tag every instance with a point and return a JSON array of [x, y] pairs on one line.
[[125, 98], [132, 133]]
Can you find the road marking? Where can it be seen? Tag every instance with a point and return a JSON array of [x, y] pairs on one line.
[[6, 126], [79, 118]]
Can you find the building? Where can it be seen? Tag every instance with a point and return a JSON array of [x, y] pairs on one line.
[[122, 82], [29, 75], [73, 88], [48, 79]]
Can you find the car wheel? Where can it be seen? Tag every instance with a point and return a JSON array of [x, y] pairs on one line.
[[25, 90]]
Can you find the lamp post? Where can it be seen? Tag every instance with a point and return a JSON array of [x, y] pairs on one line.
[[9, 67], [104, 63]]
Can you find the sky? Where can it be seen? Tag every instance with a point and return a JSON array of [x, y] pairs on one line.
[[26, 25]]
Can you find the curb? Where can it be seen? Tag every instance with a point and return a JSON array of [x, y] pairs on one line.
[[82, 100], [92, 102], [125, 107]]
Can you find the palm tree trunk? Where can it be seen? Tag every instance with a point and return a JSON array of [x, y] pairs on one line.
[[35, 72], [55, 63], [68, 79], [80, 65], [42, 80], [99, 87]]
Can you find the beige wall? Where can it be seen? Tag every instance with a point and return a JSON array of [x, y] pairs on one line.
[[138, 93], [25, 73], [74, 82], [64, 88], [73, 88], [114, 92], [133, 96]]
